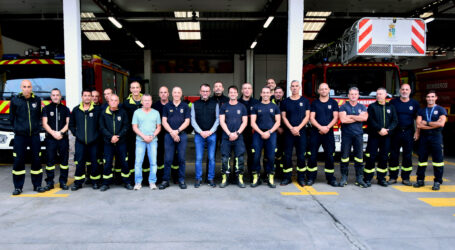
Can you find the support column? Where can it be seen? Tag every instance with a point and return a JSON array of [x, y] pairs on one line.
[[73, 56], [148, 72], [250, 67], [295, 43]]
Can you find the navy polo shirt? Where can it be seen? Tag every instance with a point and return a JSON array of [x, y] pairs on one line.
[[406, 111], [249, 104], [233, 115], [432, 113], [295, 110], [176, 115], [324, 110], [265, 115], [354, 128]]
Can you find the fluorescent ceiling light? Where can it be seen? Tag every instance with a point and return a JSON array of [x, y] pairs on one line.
[[426, 14], [428, 20], [181, 26], [309, 35], [190, 35], [115, 22], [185, 14], [319, 13], [267, 23], [140, 44], [91, 26], [97, 36], [253, 45], [312, 26], [87, 15]]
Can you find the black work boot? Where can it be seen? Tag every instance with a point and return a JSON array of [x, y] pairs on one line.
[[359, 178], [344, 177]]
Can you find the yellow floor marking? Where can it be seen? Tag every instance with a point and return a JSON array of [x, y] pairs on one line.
[[426, 189], [307, 190], [427, 178], [449, 163], [49, 194], [439, 202]]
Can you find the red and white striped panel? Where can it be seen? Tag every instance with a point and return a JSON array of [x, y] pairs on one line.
[[418, 36], [365, 34]]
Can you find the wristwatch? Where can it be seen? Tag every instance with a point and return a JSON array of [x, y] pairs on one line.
[[428, 123], [237, 132], [270, 132]]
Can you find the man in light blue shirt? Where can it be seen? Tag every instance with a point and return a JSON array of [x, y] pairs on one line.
[[147, 125]]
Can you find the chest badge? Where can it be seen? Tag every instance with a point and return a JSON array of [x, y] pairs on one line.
[[259, 111], [271, 110], [411, 108], [52, 113], [181, 111], [90, 114], [238, 111], [359, 110], [251, 108], [388, 111], [436, 112], [301, 104], [119, 118], [171, 110], [330, 106], [34, 105]]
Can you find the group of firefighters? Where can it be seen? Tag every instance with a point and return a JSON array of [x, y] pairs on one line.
[[112, 139]]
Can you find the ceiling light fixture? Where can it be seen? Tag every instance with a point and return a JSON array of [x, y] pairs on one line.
[[428, 20], [115, 22], [318, 13], [267, 23], [253, 45], [140, 44]]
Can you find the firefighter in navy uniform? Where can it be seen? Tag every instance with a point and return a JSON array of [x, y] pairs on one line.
[[233, 121], [279, 155], [403, 136], [265, 120], [295, 113], [84, 125], [163, 92], [323, 116], [249, 101], [25, 116], [114, 126], [130, 104], [382, 120], [56, 117], [431, 120], [352, 115]]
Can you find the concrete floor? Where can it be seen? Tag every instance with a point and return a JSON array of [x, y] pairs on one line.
[[318, 217]]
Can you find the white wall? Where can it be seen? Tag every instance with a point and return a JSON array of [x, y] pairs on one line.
[[268, 66], [265, 66], [11, 46], [190, 82]]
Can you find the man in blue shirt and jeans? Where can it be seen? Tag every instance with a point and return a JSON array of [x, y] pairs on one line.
[[352, 115], [147, 125], [205, 121], [233, 121], [176, 118]]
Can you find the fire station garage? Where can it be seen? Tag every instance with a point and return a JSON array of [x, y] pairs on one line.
[[386, 68]]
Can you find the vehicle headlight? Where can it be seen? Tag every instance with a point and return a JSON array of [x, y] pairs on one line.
[[3, 139]]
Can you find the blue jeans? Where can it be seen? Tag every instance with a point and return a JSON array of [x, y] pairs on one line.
[[199, 143], [151, 148], [170, 146], [269, 147]]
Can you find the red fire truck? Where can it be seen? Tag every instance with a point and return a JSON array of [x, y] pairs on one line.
[[45, 74], [363, 58]]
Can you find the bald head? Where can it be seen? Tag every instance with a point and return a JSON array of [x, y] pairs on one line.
[[26, 87]]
